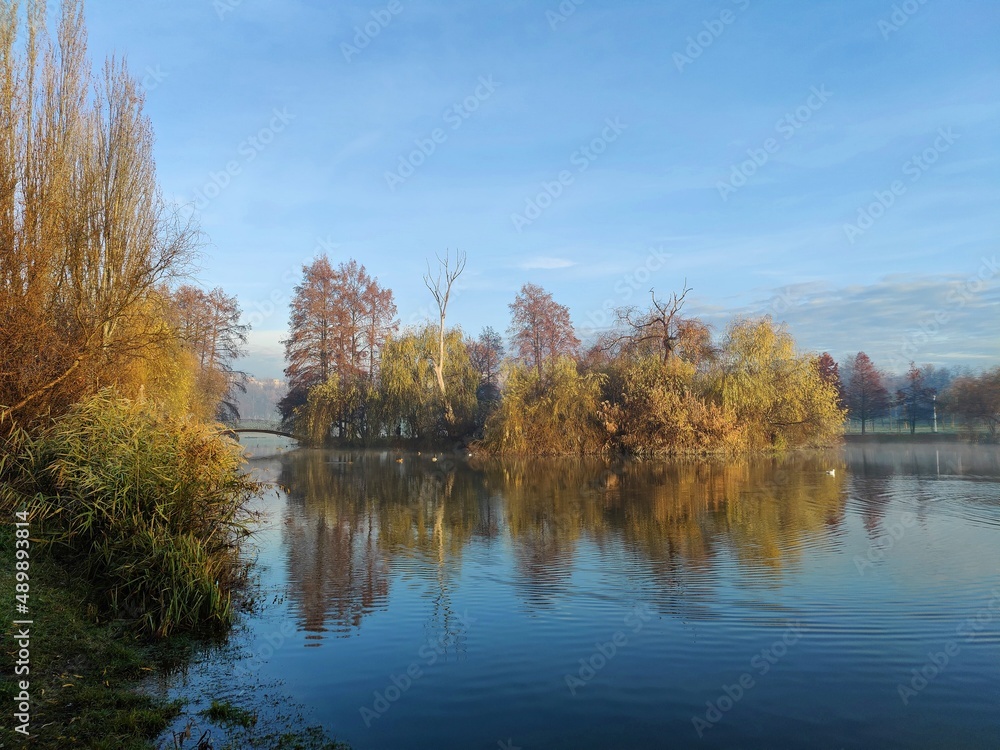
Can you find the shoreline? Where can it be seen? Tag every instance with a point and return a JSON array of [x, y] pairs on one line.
[[92, 680]]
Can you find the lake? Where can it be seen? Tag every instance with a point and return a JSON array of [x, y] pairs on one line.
[[767, 603]]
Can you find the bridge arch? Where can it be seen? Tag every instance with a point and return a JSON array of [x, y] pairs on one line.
[[260, 426]]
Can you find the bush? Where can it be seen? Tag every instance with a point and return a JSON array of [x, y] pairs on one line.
[[655, 410], [152, 508], [555, 416], [776, 394]]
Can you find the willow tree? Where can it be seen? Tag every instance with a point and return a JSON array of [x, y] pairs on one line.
[[652, 407], [410, 397], [776, 395], [559, 417], [326, 404]]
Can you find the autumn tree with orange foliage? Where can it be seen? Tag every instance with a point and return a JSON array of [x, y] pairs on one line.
[[208, 324], [659, 385], [340, 321], [865, 393], [540, 329], [829, 372], [975, 400]]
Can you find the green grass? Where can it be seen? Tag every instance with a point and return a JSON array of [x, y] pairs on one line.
[[947, 428], [82, 672], [224, 712], [86, 673]]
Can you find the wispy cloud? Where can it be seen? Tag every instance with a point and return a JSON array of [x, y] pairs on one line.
[[546, 263], [655, 188], [946, 320]]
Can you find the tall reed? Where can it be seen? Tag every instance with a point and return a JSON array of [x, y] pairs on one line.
[[151, 508]]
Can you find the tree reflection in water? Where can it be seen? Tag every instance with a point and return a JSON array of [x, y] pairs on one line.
[[356, 521]]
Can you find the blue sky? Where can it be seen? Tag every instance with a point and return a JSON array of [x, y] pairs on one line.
[[832, 163]]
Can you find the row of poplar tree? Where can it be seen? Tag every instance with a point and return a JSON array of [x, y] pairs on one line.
[[92, 258]]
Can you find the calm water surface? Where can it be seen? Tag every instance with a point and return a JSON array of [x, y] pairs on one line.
[[567, 604]]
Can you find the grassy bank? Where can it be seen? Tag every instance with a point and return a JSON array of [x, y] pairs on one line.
[[136, 525], [87, 672], [897, 438], [83, 671]]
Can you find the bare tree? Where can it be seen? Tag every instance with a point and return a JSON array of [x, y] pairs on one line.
[[440, 289], [660, 328]]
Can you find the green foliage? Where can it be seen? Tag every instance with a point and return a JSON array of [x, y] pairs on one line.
[[224, 712], [151, 508], [337, 403], [778, 397], [409, 397], [553, 415], [404, 401]]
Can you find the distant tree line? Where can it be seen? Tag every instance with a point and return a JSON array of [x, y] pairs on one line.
[[926, 395]]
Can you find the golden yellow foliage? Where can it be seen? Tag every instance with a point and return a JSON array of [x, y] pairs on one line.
[[556, 414]]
